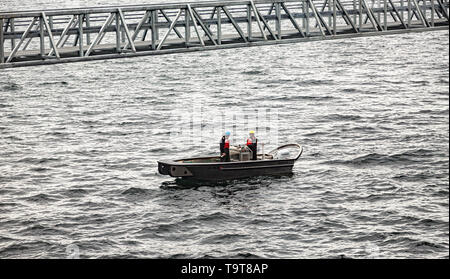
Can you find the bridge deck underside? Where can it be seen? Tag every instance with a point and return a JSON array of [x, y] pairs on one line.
[[117, 34]]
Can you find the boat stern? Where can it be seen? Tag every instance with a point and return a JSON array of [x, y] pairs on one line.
[[173, 170]]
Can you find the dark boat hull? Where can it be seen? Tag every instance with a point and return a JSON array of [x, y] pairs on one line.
[[226, 170]]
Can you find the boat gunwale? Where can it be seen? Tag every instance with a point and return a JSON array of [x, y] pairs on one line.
[[178, 163], [175, 163]]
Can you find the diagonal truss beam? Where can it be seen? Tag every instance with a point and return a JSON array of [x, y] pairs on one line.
[[346, 15], [50, 35], [170, 22], [435, 10], [64, 37], [443, 9], [127, 31], [258, 14], [203, 26], [414, 13], [324, 23], [24, 36], [195, 25], [172, 26], [25, 46], [138, 28], [270, 11], [100, 34], [292, 19], [213, 13], [320, 21], [236, 26], [421, 16], [398, 14], [371, 17], [323, 8], [311, 5], [146, 29], [258, 20]]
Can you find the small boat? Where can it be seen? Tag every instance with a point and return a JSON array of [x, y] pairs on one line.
[[279, 161]]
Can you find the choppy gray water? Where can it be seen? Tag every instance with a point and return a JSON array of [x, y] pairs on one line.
[[79, 145]]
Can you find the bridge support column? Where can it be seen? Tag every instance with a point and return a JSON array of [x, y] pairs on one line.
[[219, 25], [88, 24], [155, 33], [50, 23], [13, 29], [360, 15], [122, 34], [409, 13], [80, 35], [334, 17], [278, 15], [401, 13], [118, 32], [424, 9], [42, 36], [2, 45], [330, 23], [379, 12], [432, 13], [305, 18], [306, 11], [385, 12], [249, 22], [187, 27]]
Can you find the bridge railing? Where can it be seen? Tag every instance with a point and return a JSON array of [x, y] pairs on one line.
[[69, 35]]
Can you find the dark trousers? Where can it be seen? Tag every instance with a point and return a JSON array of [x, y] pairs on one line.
[[225, 158], [254, 150]]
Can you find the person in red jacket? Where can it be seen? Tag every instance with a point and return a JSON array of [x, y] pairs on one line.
[[252, 143], [225, 147]]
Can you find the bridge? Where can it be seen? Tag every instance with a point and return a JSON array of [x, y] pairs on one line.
[[43, 37]]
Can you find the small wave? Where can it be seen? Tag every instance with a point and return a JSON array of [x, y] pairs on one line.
[[33, 160], [39, 169], [178, 256], [427, 244], [431, 222], [76, 192], [135, 191], [5, 106], [11, 86], [7, 204], [16, 248], [58, 134], [413, 177], [54, 83], [216, 216], [253, 72], [315, 134], [243, 255], [315, 82], [40, 198], [342, 117], [40, 230], [223, 238], [313, 98], [408, 157]]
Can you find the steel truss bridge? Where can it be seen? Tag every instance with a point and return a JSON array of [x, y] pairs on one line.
[[29, 38]]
